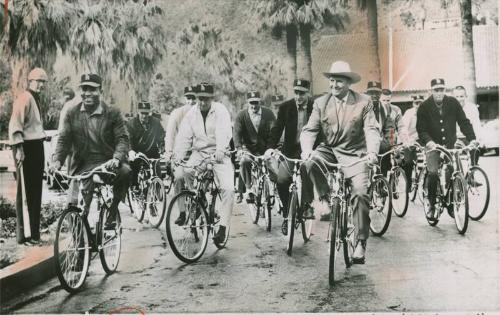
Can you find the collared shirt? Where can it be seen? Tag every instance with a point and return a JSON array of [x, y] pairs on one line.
[[255, 118], [301, 119], [408, 132], [472, 114], [341, 106]]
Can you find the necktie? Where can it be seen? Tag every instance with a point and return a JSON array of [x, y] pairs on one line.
[[340, 110], [376, 111]]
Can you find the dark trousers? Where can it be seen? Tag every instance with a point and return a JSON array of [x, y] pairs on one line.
[[281, 171], [410, 158], [433, 160], [32, 166]]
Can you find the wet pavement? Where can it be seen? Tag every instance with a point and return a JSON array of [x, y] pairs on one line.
[[413, 267]]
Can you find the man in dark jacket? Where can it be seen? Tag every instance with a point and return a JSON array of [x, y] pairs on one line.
[[252, 127], [292, 116], [146, 132], [95, 133], [437, 118]]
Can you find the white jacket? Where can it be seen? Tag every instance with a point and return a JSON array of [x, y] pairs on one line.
[[408, 132], [207, 137], [472, 113], [173, 125], [25, 122]]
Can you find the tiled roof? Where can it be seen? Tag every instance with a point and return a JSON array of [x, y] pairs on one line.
[[486, 55], [420, 56], [353, 48]]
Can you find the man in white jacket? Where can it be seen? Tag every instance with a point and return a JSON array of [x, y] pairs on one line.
[[206, 131]]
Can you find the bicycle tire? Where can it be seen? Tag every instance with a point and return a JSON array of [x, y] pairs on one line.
[[472, 188], [335, 239], [422, 185], [105, 237], [156, 191], [266, 209], [426, 203], [400, 194], [200, 225], [375, 212], [414, 183], [292, 213], [307, 227], [460, 193], [70, 218], [224, 243], [136, 205]]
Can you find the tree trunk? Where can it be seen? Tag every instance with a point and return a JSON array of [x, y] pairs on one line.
[[467, 48], [304, 69], [371, 12], [291, 49]]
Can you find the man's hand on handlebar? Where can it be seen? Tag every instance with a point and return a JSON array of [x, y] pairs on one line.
[[219, 156], [112, 164], [55, 166], [372, 158]]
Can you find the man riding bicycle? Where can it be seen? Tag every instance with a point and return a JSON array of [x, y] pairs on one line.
[[437, 119], [347, 122], [206, 131], [94, 133], [252, 129]]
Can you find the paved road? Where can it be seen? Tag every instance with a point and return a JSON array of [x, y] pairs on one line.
[[414, 267]]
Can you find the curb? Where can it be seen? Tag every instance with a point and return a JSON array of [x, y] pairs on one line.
[[35, 268]]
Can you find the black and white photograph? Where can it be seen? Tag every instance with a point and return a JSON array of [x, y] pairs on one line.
[[249, 156]]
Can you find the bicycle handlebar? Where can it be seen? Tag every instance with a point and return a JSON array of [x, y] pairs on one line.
[[101, 169]]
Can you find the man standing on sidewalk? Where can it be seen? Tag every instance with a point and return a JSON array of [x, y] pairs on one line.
[[26, 136]]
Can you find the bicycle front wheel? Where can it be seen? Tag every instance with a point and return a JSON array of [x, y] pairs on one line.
[[460, 203], [71, 250], [293, 207], [156, 202], [188, 239], [400, 193], [380, 206], [109, 241], [137, 203], [335, 239], [478, 188]]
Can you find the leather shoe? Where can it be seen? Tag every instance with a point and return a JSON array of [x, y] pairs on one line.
[[430, 212], [181, 219], [308, 213], [359, 253], [250, 198], [239, 198], [220, 236]]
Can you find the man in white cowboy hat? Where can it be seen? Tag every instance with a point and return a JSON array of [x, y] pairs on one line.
[[437, 120], [252, 128], [351, 132], [206, 131], [26, 137]]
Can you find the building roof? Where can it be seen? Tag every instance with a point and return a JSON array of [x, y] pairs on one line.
[[353, 48], [486, 52]]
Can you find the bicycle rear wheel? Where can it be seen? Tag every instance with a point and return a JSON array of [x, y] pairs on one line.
[[414, 183], [109, 241], [335, 238], [422, 185], [137, 203], [460, 203], [293, 207], [266, 205], [400, 194], [188, 240], [307, 227], [478, 188], [380, 206], [156, 202], [71, 250]]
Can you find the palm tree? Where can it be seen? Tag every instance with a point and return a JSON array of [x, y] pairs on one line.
[[467, 48], [32, 33]]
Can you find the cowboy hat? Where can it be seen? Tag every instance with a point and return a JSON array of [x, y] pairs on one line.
[[342, 68]]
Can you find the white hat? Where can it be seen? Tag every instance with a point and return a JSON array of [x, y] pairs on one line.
[[38, 74], [342, 68]]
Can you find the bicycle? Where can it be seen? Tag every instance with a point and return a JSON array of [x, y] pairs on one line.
[[418, 171], [189, 240], [451, 195], [380, 193], [478, 185], [398, 184], [294, 218], [265, 191], [149, 193], [75, 242]]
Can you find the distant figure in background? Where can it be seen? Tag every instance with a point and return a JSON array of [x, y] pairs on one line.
[[276, 101], [395, 116], [69, 100], [26, 137], [472, 113], [409, 136]]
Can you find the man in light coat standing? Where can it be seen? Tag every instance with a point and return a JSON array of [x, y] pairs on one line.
[[206, 131], [347, 121], [26, 137]]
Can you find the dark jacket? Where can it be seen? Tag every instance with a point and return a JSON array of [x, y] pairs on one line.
[[287, 122], [386, 124], [256, 141], [74, 137], [150, 141], [441, 128]]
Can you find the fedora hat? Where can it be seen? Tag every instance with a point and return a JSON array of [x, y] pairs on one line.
[[343, 69]]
